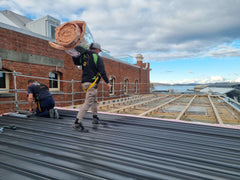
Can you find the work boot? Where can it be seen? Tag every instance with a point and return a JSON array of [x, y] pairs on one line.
[[56, 114], [51, 113], [79, 126], [95, 119]]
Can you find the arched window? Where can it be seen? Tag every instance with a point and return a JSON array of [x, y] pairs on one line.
[[112, 82], [4, 81], [136, 86], [125, 86], [54, 81]]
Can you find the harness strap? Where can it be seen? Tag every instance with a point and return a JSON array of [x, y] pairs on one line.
[[95, 58], [38, 102], [94, 82], [39, 107]]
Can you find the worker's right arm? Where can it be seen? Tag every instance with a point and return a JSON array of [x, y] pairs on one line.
[[72, 52], [30, 102], [76, 52]]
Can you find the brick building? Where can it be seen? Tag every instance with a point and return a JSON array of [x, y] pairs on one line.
[[26, 54]]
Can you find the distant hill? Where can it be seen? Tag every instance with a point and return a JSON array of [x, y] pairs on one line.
[[220, 84], [165, 84]]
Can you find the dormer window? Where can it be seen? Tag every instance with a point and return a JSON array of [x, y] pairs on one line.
[[52, 31]]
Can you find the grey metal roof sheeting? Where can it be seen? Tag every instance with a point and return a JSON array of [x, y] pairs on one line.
[[14, 19], [120, 148]]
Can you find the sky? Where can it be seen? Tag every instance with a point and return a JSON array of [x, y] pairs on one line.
[[185, 41]]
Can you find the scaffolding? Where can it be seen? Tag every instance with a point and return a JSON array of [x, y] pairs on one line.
[[132, 99], [77, 94]]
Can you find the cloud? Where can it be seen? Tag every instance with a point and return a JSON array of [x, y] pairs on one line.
[[237, 80], [216, 79], [160, 30], [212, 79], [224, 51]]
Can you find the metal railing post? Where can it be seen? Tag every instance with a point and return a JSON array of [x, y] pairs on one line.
[[15, 91], [102, 91], [120, 89], [72, 92]]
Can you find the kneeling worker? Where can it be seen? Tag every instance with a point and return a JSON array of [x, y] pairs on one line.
[[39, 93]]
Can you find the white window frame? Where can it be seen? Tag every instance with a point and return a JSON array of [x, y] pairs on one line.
[[112, 82], [136, 86], [58, 82], [126, 82], [51, 33]]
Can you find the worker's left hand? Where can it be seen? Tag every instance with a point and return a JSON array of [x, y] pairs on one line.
[[109, 86]]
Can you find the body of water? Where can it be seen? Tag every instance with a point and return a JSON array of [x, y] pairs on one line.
[[174, 88]]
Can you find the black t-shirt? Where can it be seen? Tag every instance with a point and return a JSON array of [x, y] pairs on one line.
[[39, 91], [90, 68]]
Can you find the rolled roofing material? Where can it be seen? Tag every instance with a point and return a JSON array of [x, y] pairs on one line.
[[69, 35]]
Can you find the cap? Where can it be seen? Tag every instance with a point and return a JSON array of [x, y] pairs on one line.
[[95, 46]]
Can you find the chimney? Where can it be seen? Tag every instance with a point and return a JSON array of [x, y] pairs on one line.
[[139, 58]]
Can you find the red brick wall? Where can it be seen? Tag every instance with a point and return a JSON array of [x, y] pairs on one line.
[[121, 71], [15, 41]]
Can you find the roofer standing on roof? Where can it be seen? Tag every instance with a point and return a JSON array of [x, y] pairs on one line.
[[92, 71], [39, 93], [69, 36]]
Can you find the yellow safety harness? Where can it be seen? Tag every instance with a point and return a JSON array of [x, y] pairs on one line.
[[39, 107], [95, 58], [94, 82]]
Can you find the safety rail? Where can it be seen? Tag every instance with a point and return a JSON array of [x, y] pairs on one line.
[[77, 94]]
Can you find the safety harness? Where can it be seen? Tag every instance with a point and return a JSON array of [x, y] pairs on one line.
[[95, 78], [94, 82], [82, 60]]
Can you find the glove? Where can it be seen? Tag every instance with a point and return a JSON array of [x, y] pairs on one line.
[[72, 52]]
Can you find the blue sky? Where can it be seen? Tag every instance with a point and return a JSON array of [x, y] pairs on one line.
[[185, 41], [196, 70]]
